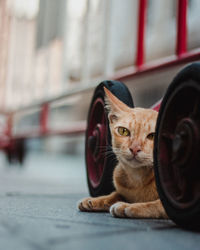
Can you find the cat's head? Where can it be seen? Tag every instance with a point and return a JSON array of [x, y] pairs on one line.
[[132, 132]]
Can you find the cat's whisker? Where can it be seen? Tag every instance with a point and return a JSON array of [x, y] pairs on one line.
[[110, 156], [104, 147]]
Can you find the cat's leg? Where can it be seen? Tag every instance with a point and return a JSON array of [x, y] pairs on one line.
[[151, 210], [101, 203]]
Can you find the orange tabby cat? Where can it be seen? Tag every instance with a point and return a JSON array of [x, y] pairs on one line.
[[132, 132]]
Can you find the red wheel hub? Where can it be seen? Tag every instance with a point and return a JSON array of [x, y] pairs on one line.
[[96, 142]]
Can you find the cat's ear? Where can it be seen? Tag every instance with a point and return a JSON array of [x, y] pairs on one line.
[[114, 106]]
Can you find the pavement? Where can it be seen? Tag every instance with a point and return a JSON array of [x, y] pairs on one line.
[[38, 212]]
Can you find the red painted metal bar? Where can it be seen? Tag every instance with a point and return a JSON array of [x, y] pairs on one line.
[[158, 65], [6, 133], [76, 128], [181, 42], [9, 125], [44, 118], [80, 128], [141, 32], [156, 106]]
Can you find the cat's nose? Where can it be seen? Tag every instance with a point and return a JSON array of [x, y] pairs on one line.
[[135, 150]]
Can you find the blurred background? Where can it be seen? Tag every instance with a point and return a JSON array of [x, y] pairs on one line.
[[60, 50]]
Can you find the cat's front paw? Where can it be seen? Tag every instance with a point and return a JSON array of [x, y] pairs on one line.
[[118, 209], [93, 204], [85, 204]]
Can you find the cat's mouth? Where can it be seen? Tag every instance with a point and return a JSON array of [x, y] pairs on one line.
[[138, 162], [133, 159]]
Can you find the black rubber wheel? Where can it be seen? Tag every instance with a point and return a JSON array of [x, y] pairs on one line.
[[177, 149], [20, 150], [100, 160], [17, 152]]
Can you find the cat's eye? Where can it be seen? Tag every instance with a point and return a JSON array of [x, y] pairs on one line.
[[123, 131], [151, 136]]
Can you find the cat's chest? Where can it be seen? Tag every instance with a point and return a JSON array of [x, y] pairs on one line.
[[134, 191], [137, 194]]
